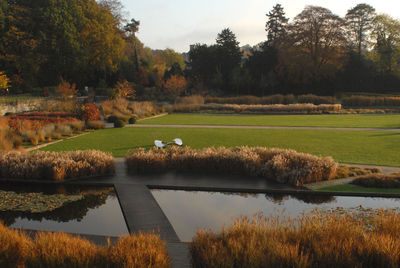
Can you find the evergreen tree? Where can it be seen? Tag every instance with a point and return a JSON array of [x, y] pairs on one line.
[[359, 21], [276, 24]]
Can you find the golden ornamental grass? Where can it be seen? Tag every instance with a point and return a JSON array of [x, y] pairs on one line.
[[59, 250], [315, 240], [259, 108], [378, 180], [284, 166], [55, 166]]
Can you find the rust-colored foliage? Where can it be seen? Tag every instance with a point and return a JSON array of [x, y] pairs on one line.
[[66, 90], [90, 112], [124, 90], [175, 85]]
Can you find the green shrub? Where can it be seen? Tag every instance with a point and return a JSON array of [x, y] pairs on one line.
[[132, 120], [112, 119], [119, 123]]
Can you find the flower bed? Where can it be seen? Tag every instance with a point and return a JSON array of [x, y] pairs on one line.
[[55, 166], [284, 166]]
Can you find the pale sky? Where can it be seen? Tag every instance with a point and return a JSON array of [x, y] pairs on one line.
[[177, 24]]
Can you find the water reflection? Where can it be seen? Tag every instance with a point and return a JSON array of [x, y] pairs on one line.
[[98, 213], [188, 211]]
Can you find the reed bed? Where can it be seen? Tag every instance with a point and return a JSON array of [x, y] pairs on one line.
[[55, 166], [124, 110], [378, 180], [370, 101], [304, 108], [63, 250], [248, 99], [314, 240], [284, 166], [314, 99]]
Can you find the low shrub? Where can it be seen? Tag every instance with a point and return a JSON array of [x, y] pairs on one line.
[[194, 99], [346, 171], [119, 123], [63, 250], [112, 119], [272, 99], [304, 108], [314, 240], [284, 166], [370, 101], [317, 100], [378, 180], [55, 166], [90, 112], [132, 120], [123, 109], [95, 124]]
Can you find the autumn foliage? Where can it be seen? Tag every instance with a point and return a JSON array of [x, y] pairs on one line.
[[4, 82], [124, 90], [90, 112], [66, 90], [175, 85]]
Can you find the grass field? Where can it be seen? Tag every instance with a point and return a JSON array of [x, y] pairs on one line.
[[363, 147], [368, 121], [357, 189]]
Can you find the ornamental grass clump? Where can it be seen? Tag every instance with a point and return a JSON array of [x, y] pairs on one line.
[[313, 240], [55, 166], [48, 249], [378, 180], [284, 166]]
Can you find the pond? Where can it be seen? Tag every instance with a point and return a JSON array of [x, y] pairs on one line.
[[70, 209], [188, 210]]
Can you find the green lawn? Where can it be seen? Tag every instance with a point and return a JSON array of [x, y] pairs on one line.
[[364, 147], [370, 121], [357, 189]]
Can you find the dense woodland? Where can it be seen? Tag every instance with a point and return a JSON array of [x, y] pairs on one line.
[[92, 43]]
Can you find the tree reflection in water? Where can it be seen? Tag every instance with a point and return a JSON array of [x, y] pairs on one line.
[[93, 198]]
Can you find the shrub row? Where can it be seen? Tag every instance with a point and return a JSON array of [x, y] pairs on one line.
[[55, 166], [318, 240], [305, 108], [378, 180], [63, 250], [284, 166], [370, 101], [314, 99], [272, 99]]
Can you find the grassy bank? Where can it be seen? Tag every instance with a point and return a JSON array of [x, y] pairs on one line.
[[370, 121], [363, 147], [357, 189]]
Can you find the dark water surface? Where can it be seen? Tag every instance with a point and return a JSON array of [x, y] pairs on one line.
[[96, 214], [187, 210]]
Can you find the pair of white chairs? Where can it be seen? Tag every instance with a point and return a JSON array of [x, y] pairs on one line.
[[161, 144]]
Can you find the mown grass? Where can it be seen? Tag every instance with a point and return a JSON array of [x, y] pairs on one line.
[[357, 189], [370, 121], [362, 147]]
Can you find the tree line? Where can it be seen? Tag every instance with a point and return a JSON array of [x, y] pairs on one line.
[[316, 52], [87, 42]]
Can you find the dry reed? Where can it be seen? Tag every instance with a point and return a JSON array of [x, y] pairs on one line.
[[304, 108], [378, 180], [55, 166], [63, 250], [284, 166], [370, 101], [314, 240]]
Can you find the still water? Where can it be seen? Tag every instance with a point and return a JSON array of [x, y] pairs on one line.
[[98, 213], [187, 210]]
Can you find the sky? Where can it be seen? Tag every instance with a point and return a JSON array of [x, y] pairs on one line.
[[177, 24]]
